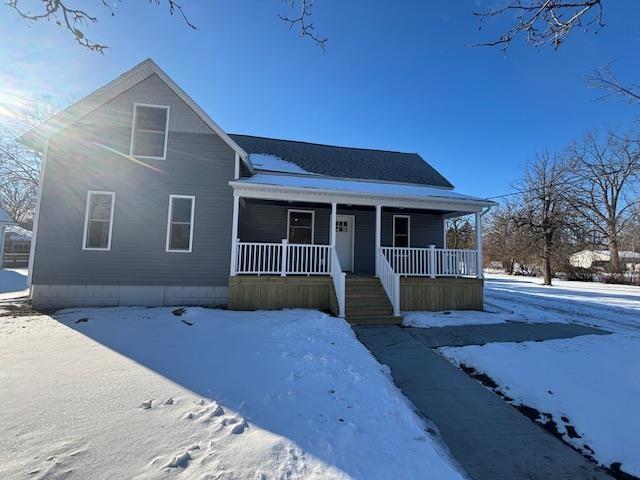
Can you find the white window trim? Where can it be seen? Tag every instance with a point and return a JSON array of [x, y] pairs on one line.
[[170, 212], [408, 217], [133, 130], [86, 219], [313, 222]]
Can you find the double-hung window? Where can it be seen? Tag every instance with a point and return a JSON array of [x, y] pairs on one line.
[[149, 131], [98, 220], [300, 226], [180, 223], [401, 230]]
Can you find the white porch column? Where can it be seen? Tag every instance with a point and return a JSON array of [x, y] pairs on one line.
[[378, 233], [234, 236], [332, 226], [444, 233], [479, 244]]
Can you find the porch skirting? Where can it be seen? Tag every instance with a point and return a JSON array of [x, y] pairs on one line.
[[62, 296], [437, 294], [273, 292]]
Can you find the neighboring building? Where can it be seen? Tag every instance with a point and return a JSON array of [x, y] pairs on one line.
[[599, 259], [17, 245], [165, 208], [5, 220]]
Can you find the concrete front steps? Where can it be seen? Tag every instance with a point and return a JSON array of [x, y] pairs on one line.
[[367, 302]]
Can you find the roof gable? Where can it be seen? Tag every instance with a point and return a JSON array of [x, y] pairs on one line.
[[36, 136], [347, 162]]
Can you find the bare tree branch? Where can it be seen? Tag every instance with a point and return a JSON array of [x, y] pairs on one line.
[[301, 22], [544, 22], [605, 79], [76, 20]]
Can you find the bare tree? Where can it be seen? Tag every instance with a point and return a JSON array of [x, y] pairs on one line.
[[504, 240], [460, 233], [605, 192], [77, 19], [19, 165], [543, 212]]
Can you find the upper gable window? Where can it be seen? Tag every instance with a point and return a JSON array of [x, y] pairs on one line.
[[149, 131]]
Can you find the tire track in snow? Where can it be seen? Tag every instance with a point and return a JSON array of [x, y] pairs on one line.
[[574, 311]]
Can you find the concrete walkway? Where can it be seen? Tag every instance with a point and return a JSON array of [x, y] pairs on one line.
[[490, 439]]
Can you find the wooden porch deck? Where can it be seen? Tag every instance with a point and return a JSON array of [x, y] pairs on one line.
[[366, 300]]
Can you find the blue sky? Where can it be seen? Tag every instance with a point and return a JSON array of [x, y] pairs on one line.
[[395, 75]]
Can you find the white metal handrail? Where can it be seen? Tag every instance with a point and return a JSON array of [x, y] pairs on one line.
[[282, 259], [432, 262], [339, 282], [389, 279]]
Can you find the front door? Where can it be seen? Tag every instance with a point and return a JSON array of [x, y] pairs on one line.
[[345, 227]]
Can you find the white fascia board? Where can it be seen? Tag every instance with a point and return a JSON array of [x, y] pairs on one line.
[[286, 193]]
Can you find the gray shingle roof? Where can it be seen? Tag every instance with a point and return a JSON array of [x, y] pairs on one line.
[[347, 162]]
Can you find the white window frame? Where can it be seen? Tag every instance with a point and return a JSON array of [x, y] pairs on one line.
[[170, 213], [86, 219], [408, 217], [313, 222], [133, 130]]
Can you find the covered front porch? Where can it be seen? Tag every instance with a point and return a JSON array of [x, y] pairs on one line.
[[282, 234]]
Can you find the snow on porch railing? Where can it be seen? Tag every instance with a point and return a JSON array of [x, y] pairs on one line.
[[432, 262], [282, 259]]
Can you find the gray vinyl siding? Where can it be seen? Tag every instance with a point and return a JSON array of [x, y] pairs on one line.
[[198, 163], [267, 222]]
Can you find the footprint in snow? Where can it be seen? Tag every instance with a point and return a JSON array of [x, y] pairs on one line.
[[205, 414], [146, 405], [168, 401], [239, 424], [181, 460]]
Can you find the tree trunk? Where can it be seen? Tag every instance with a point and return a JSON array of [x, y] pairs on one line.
[[547, 269], [548, 248], [614, 262]]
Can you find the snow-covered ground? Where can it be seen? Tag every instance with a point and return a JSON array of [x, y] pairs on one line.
[[13, 283], [587, 385], [209, 394], [455, 318], [612, 307], [590, 383]]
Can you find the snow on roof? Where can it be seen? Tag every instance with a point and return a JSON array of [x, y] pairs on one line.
[[17, 233], [273, 163], [357, 186], [4, 217]]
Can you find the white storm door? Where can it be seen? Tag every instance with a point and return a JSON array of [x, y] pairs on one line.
[[345, 227]]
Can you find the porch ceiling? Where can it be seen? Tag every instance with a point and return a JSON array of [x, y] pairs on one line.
[[333, 190]]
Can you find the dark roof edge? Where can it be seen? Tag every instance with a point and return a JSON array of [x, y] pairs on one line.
[[323, 144]]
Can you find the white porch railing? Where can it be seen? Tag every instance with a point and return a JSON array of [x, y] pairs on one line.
[[389, 279], [291, 259], [432, 262], [282, 258], [339, 281]]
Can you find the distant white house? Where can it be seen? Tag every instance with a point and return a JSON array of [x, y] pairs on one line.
[[17, 245], [5, 220], [601, 259]]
